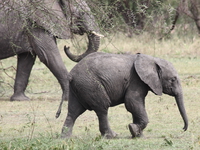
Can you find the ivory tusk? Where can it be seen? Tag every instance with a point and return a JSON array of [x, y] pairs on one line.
[[97, 34]]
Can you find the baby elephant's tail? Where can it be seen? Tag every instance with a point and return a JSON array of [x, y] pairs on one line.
[[59, 109], [61, 102]]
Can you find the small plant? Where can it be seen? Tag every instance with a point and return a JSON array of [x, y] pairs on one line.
[[168, 142]]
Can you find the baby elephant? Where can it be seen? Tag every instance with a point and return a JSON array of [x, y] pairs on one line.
[[102, 80]]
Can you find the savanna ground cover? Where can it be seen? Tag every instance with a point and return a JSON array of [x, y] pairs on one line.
[[32, 124]]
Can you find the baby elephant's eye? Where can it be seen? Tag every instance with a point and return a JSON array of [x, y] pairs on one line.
[[172, 79]]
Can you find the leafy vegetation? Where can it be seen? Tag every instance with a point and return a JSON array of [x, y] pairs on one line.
[[135, 17]]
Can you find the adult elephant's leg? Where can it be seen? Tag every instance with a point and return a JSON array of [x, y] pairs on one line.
[[25, 62], [104, 126], [45, 47], [134, 103]]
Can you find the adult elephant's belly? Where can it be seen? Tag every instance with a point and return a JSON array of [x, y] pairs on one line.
[[13, 34], [13, 43]]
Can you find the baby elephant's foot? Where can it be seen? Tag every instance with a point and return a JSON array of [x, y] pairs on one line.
[[64, 136], [66, 132], [135, 131], [110, 135]]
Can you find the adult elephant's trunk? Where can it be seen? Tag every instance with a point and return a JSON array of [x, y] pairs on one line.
[[181, 107], [93, 46]]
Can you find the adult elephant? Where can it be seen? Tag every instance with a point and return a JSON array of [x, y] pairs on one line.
[[29, 28], [103, 80]]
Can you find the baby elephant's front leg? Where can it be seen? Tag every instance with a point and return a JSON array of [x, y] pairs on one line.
[[140, 119], [139, 124], [135, 130]]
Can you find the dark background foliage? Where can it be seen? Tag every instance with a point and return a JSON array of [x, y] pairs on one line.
[[135, 17]]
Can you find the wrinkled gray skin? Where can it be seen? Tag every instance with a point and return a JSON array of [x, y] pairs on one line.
[[102, 80], [29, 28]]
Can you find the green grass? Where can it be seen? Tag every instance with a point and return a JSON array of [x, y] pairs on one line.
[[32, 125]]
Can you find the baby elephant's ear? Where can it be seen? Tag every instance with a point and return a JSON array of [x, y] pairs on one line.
[[149, 72]]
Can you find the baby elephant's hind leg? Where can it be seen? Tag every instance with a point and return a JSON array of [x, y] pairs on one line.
[[75, 109], [104, 126]]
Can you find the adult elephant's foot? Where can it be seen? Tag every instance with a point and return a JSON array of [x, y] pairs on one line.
[[19, 97], [135, 131]]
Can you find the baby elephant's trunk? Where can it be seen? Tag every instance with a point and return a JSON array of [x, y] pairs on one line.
[[179, 101]]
